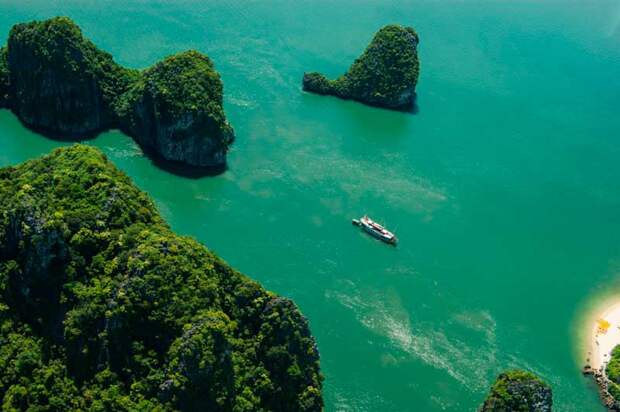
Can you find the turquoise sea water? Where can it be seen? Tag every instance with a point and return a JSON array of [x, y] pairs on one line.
[[503, 188]]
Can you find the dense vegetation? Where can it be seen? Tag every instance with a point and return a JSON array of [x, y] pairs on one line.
[[103, 308], [518, 391], [384, 75], [61, 84], [612, 370], [182, 86]]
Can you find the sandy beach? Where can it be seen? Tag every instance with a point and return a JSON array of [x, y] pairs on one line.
[[605, 336]]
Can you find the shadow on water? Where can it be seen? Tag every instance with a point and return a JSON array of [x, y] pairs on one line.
[[415, 108], [412, 108], [370, 125], [181, 169], [174, 167]]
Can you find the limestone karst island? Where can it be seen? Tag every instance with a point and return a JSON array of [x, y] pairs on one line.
[[105, 308], [385, 75], [309, 206], [59, 83]]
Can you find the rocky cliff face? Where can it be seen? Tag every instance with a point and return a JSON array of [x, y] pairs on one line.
[[58, 82], [4, 79], [58, 79], [518, 391], [176, 110], [385, 75], [102, 307]]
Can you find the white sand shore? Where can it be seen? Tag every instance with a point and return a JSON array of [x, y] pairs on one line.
[[605, 336]]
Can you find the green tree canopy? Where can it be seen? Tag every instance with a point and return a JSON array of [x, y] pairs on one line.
[[104, 308], [385, 75]]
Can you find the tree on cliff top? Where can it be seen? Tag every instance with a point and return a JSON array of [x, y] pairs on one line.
[[183, 85]]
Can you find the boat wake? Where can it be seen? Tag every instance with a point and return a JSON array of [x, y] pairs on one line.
[[472, 366]]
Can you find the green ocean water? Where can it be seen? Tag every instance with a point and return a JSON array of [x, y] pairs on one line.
[[503, 188]]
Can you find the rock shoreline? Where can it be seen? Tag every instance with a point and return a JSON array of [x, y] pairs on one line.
[[601, 360], [602, 382], [518, 390]]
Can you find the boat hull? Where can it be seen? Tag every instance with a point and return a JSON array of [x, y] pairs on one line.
[[387, 239]]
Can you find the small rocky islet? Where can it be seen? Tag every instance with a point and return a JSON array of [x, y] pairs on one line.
[[104, 308], [518, 390], [385, 75], [59, 83]]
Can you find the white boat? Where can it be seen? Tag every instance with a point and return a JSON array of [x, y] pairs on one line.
[[375, 229]]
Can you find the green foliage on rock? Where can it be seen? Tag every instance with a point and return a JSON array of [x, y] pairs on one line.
[[180, 84], [612, 370], [103, 308], [518, 391], [63, 85], [317, 83], [384, 75], [613, 367], [178, 100]]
